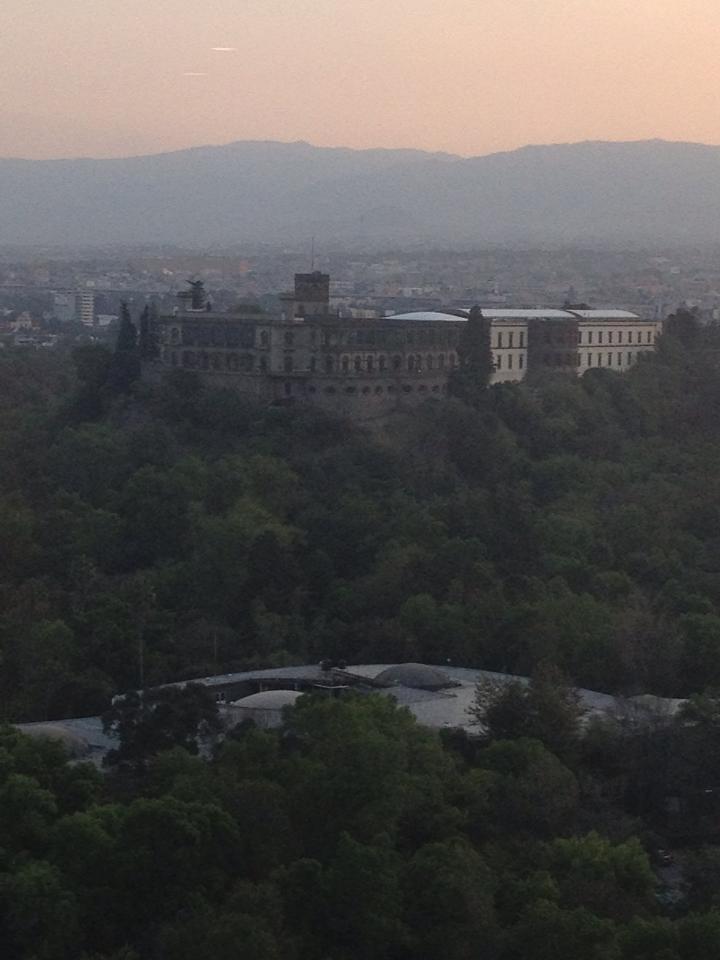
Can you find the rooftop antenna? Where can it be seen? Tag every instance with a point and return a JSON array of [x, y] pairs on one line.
[[312, 254]]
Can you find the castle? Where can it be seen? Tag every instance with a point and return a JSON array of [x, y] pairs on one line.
[[364, 368]]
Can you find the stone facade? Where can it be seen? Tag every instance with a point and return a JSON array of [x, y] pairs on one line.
[[364, 368]]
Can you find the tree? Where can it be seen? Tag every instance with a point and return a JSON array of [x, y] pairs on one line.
[[547, 709], [125, 366], [147, 337], [469, 380], [159, 719]]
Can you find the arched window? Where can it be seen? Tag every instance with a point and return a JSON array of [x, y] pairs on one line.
[[381, 363], [370, 362], [441, 361], [288, 364], [428, 362], [289, 339], [263, 364], [264, 339], [410, 363], [215, 361], [174, 335], [313, 364], [328, 364], [345, 364], [397, 362], [357, 364]]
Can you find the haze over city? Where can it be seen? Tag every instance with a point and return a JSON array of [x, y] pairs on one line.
[[127, 77]]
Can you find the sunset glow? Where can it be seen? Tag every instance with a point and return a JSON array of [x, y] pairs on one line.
[[465, 76]]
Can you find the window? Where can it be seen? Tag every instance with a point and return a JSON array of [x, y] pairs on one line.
[[345, 364], [609, 359], [630, 335], [397, 362], [610, 336], [522, 339], [428, 362], [629, 359], [357, 364], [600, 336], [289, 339], [381, 363], [589, 359], [313, 364], [441, 361], [510, 361], [370, 364], [499, 340], [618, 357], [263, 364], [648, 336], [619, 336], [580, 337], [288, 388], [328, 364], [288, 364], [599, 363], [510, 338], [410, 363], [590, 333], [521, 360], [264, 339], [498, 361], [451, 359]]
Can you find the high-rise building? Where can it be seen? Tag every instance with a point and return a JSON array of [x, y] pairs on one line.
[[85, 307]]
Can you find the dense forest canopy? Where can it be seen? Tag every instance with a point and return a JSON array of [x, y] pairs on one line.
[[566, 530], [575, 523]]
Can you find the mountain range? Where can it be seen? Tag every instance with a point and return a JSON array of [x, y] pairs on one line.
[[650, 191]]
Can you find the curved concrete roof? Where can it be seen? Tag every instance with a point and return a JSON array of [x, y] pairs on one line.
[[417, 675], [268, 700]]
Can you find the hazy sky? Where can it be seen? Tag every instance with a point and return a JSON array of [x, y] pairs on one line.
[[118, 77]]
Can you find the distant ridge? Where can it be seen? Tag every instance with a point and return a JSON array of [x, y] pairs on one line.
[[638, 191]]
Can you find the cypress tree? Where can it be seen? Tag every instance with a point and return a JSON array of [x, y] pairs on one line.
[[470, 378]]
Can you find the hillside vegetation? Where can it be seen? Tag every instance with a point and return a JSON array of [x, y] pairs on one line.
[[575, 524]]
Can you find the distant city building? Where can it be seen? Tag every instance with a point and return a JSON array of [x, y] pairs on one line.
[[362, 367], [64, 307], [85, 307]]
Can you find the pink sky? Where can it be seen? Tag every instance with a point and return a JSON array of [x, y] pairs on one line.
[[107, 77]]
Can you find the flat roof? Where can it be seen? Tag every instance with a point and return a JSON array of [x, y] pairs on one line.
[[607, 315], [519, 313]]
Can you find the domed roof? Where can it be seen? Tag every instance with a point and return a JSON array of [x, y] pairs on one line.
[[418, 675], [269, 700], [75, 745]]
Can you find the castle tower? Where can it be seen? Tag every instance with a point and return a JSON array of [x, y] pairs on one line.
[[310, 298]]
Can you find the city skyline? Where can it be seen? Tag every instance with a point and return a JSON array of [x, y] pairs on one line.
[[127, 78]]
